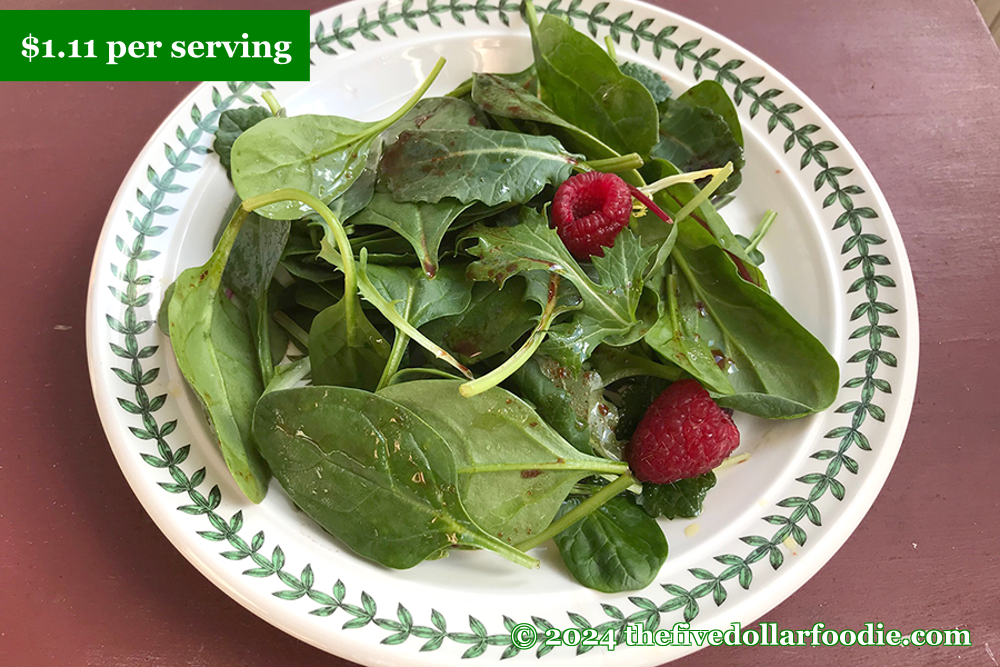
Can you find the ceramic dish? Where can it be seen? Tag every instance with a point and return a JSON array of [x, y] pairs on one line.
[[834, 259]]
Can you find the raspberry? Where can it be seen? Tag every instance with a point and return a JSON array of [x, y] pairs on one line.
[[683, 434], [589, 210]]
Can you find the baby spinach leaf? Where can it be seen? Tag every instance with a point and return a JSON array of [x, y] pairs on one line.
[[319, 155], [609, 307], [163, 314], [635, 395], [695, 138], [583, 85], [214, 348], [494, 320], [616, 548], [652, 81], [776, 367], [346, 352], [712, 95], [704, 226], [504, 98], [248, 273], [435, 113], [471, 165], [418, 298], [233, 123], [423, 225], [681, 500], [513, 470], [371, 473], [675, 336], [564, 401]]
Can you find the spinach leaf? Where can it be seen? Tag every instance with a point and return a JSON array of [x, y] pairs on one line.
[[214, 348], [583, 85], [163, 314], [571, 402], [683, 499], [712, 95], [635, 395], [423, 225], [504, 98], [370, 472], [418, 298], [775, 366], [704, 226], [319, 155], [695, 138], [653, 82], [616, 548], [608, 311], [248, 273], [494, 320], [513, 470], [435, 113], [471, 165], [675, 336], [233, 123], [346, 351]]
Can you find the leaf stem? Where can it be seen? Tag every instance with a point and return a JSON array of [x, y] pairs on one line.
[[373, 296], [650, 204], [462, 90], [272, 102], [332, 228], [612, 165], [604, 467], [510, 552], [293, 329], [706, 192], [419, 93], [610, 44], [399, 344], [519, 358], [403, 372], [760, 231], [677, 179], [579, 512]]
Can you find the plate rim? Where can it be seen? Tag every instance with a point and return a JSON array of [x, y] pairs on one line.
[[833, 538]]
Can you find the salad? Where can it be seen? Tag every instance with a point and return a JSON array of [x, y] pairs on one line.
[[506, 315]]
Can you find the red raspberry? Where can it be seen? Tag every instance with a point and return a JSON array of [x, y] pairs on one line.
[[683, 434], [589, 210]]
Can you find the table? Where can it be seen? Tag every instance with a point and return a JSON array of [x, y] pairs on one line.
[[87, 579]]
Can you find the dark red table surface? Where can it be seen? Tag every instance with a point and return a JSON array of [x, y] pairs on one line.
[[87, 579]]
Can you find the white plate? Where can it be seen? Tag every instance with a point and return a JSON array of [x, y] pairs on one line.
[[834, 259]]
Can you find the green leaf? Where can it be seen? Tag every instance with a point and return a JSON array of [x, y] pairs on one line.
[[233, 123], [616, 548], [471, 165], [346, 353], [501, 97], [776, 367], [704, 226], [696, 138], [514, 470], [681, 499], [712, 95], [572, 403], [370, 472], [419, 299], [434, 113], [675, 335], [320, 155], [211, 339], [608, 308], [423, 225], [583, 85], [494, 320], [652, 81]]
